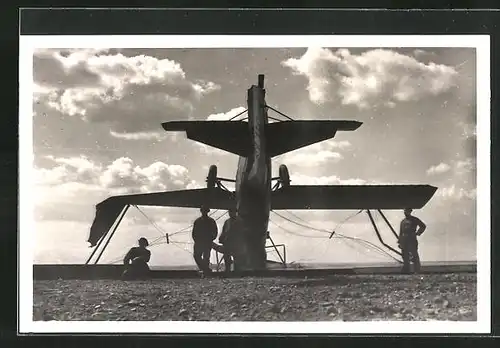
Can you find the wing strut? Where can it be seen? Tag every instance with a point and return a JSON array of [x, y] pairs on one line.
[[388, 224], [275, 247], [378, 233], [124, 211]]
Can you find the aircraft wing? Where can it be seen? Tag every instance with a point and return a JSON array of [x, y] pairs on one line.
[[281, 137], [108, 210], [286, 136], [352, 197], [232, 136]]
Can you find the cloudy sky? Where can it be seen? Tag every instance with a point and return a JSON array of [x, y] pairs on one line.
[[97, 132]]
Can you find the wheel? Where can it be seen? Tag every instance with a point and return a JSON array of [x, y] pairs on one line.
[[284, 175], [212, 176]]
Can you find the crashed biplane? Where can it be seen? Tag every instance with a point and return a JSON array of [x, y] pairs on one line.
[[256, 141]]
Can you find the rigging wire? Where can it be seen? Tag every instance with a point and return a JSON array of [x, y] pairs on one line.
[[338, 224], [326, 231], [337, 235], [279, 112], [158, 241], [376, 248], [181, 248], [241, 113], [186, 229], [151, 221], [327, 247], [295, 233], [182, 230], [156, 244], [358, 240], [300, 224], [114, 261], [314, 228], [269, 107]]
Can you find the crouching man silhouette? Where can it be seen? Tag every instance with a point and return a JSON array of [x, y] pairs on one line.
[[136, 261]]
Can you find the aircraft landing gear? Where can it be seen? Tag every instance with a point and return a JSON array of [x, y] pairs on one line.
[[214, 181], [212, 176], [283, 179], [284, 176]]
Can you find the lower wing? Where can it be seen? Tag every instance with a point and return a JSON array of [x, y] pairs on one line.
[[108, 210], [350, 197]]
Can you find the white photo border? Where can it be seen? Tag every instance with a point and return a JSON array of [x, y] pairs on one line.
[[27, 227]]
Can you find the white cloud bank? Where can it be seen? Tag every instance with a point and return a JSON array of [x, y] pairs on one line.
[[133, 95], [226, 116], [325, 152], [374, 78], [456, 193], [463, 166], [120, 176], [438, 169], [456, 184], [301, 179]]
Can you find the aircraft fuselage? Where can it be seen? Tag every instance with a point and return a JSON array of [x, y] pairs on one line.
[[253, 180]]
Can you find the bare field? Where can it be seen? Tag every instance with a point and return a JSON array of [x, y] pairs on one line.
[[336, 297]]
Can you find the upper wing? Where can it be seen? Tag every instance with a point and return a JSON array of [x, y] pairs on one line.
[[347, 197], [108, 210]]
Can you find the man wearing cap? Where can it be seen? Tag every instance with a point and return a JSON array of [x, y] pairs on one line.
[[411, 227], [227, 237], [136, 260], [204, 233]]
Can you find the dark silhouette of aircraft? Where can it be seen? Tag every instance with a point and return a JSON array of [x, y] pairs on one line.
[[256, 142]]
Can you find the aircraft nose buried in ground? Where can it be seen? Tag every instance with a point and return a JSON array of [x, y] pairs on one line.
[[256, 141]]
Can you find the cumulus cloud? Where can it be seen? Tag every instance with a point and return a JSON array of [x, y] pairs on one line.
[[139, 135], [306, 179], [438, 169], [209, 150], [301, 179], [133, 95], [317, 154], [225, 116], [456, 193], [120, 176], [420, 53], [468, 130], [50, 68], [237, 113], [373, 78], [343, 144], [465, 166], [314, 159], [122, 173], [68, 170]]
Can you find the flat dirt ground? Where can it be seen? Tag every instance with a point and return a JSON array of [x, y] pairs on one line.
[[339, 297]]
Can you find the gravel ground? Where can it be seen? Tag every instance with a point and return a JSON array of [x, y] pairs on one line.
[[349, 298]]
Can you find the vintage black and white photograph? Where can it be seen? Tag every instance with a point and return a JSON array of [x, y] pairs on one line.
[[263, 181]]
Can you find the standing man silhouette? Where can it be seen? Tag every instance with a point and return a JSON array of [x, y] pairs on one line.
[[204, 233], [226, 238], [411, 227]]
